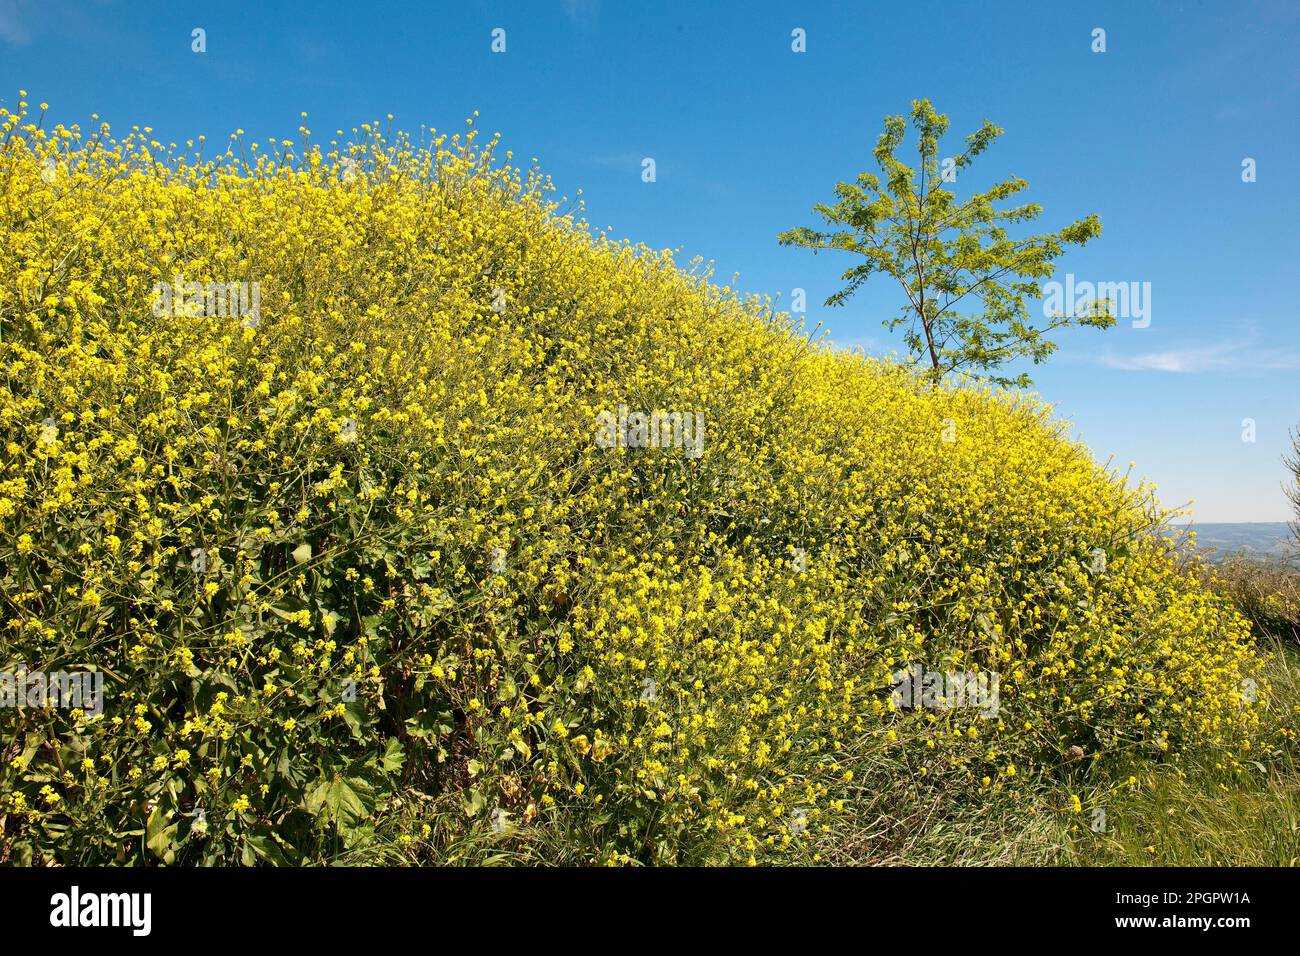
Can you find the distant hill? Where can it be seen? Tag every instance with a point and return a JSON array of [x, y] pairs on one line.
[[1270, 538]]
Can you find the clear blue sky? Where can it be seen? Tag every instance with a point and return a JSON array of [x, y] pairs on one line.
[[747, 135]]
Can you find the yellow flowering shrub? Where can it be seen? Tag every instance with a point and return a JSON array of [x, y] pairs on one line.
[[359, 568]]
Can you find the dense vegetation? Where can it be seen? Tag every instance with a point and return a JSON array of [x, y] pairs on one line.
[[364, 585]]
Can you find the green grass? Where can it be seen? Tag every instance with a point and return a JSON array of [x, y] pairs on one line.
[[1160, 814], [1165, 815], [1205, 817]]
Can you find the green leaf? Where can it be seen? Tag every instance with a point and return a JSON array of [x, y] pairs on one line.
[[354, 716], [473, 801], [264, 847], [345, 801], [393, 757], [159, 836]]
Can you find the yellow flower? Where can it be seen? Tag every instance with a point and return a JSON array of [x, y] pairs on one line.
[[445, 366]]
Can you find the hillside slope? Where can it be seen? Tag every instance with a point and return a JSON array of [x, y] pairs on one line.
[[366, 581]]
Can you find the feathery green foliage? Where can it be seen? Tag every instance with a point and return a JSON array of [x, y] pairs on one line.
[[944, 252]]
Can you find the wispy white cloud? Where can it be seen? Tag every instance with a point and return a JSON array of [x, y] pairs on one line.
[[1224, 356], [12, 28]]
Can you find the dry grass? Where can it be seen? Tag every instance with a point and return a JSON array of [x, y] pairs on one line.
[[1266, 591]]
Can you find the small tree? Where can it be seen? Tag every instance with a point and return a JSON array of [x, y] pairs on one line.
[[943, 252], [1293, 486]]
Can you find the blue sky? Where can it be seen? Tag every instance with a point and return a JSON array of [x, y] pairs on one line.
[[747, 135]]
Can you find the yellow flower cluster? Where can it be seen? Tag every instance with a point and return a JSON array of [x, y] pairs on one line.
[[334, 523]]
